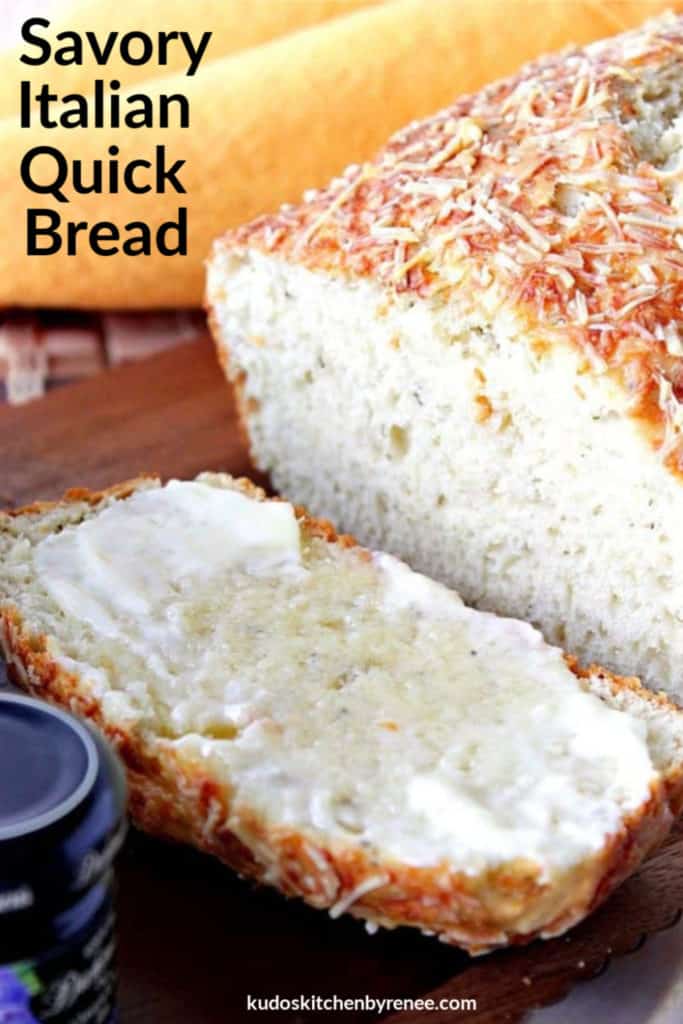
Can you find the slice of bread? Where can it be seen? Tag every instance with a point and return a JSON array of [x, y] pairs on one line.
[[470, 351], [325, 720]]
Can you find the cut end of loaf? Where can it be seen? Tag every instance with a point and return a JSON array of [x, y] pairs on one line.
[[550, 199], [469, 352], [328, 721], [508, 472]]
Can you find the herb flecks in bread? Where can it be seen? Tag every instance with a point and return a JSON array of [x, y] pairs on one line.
[[326, 720], [471, 350]]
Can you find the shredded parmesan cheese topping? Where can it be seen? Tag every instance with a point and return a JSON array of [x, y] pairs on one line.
[[534, 191]]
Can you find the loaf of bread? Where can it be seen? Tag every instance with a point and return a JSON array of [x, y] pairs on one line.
[[469, 352], [326, 720]]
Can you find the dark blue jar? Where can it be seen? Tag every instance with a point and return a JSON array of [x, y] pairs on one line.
[[62, 821]]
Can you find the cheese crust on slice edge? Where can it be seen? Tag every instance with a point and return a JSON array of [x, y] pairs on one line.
[[328, 721]]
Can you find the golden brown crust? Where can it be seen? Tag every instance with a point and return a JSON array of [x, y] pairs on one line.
[[173, 796], [466, 207], [76, 494], [314, 526], [616, 683], [673, 783]]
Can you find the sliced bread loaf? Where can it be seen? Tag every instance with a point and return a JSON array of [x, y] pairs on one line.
[[326, 720], [470, 352]]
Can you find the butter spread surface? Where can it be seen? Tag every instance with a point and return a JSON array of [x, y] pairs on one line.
[[133, 554], [338, 694]]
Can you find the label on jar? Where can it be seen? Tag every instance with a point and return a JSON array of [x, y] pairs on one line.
[[74, 984]]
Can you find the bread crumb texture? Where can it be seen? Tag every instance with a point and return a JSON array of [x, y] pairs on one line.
[[327, 720], [474, 356]]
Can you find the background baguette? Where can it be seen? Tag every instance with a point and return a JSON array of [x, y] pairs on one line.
[[182, 793]]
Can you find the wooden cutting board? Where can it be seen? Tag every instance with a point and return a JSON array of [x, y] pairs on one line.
[[195, 940]]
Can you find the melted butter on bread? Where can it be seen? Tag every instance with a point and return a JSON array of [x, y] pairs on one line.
[[339, 694]]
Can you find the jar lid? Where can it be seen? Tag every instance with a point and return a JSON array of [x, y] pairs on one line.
[[62, 805]]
